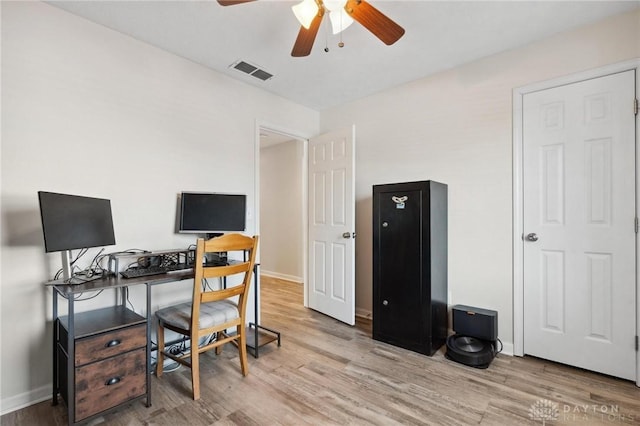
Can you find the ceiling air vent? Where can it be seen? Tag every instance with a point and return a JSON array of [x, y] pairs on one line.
[[252, 70]]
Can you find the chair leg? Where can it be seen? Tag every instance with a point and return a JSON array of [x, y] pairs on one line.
[[195, 369], [242, 349], [160, 354]]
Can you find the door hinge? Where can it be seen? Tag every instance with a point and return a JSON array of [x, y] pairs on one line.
[[637, 225], [635, 106], [636, 343]]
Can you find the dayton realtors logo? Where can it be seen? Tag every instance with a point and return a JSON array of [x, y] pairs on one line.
[[544, 410]]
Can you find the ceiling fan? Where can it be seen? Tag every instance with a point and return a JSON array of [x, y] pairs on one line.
[[345, 11]]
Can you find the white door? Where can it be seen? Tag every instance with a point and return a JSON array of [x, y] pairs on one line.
[[579, 224], [332, 224]]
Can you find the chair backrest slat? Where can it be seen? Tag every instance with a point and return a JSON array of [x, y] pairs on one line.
[[221, 271], [212, 296]]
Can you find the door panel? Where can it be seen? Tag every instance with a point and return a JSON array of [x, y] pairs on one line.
[[332, 224], [579, 200], [400, 255]]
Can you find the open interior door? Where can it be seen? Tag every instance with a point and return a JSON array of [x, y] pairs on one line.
[[331, 286]]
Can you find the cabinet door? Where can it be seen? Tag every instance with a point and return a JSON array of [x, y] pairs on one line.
[[399, 316]]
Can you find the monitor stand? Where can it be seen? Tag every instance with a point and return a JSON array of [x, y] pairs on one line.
[[69, 277], [80, 279], [66, 264]]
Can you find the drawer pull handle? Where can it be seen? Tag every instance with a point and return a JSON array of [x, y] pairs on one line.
[[112, 381], [112, 343]]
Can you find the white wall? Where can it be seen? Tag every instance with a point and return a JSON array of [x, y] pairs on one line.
[[281, 232], [89, 111], [455, 127]]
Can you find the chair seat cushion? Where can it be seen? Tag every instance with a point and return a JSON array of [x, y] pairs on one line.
[[211, 314]]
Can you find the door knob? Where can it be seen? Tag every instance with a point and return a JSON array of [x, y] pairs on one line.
[[532, 237], [346, 235], [385, 302]]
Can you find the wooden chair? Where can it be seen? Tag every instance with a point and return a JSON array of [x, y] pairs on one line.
[[211, 311]]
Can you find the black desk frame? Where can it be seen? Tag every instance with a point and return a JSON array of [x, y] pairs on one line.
[[261, 334]]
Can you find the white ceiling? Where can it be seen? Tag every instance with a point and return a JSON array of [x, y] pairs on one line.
[[439, 35]]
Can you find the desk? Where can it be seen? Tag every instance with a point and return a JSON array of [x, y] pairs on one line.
[[109, 345], [111, 336]]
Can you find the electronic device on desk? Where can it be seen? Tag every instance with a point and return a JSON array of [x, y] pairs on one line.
[[212, 214], [71, 222], [153, 270], [216, 260], [146, 263]]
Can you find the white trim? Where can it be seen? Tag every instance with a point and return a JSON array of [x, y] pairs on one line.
[[305, 222], [26, 399], [518, 263], [293, 134], [637, 68], [507, 349], [278, 275]]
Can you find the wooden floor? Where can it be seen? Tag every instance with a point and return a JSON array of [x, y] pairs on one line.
[[329, 373]]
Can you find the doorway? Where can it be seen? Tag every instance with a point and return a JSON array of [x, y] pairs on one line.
[[282, 205], [328, 249], [571, 300]]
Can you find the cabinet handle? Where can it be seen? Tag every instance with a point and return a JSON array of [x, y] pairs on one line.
[[385, 303], [112, 381], [112, 343]]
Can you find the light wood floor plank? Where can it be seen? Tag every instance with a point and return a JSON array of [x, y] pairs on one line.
[[327, 373]]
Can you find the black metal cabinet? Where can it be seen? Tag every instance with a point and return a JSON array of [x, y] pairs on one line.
[[410, 265]]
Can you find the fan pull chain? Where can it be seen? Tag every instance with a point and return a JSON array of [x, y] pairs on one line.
[[341, 44], [326, 37]]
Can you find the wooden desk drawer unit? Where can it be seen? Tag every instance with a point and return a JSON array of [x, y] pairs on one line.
[[110, 382], [110, 365]]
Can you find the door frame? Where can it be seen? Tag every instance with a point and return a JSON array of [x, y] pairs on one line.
[[305, 209], [518, 196]]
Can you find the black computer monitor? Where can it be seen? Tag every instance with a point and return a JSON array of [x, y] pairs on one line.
[[73, 222], [212, 213]]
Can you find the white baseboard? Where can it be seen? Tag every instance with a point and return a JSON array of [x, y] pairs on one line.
[[281, 276], [507, 349], [26, 399]]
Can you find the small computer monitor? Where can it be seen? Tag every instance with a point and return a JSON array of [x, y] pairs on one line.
[[74, 222], [212, 213]]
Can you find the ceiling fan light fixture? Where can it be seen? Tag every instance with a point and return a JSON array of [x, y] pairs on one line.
[[340, 20], [305, 12]]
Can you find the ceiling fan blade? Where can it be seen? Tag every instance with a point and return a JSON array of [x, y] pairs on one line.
[[233, 2], [375, 21], [306, 37]]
